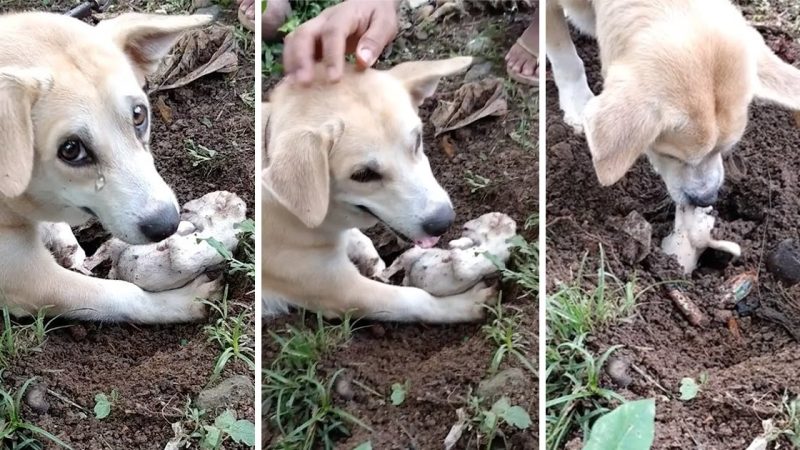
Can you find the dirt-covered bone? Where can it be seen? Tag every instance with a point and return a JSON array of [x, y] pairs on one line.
[[444, 272], [59, 239], [692, 236], [185, 255]]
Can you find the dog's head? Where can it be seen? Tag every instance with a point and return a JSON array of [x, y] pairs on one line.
[[75, 120], [350, 153], [684, 106]]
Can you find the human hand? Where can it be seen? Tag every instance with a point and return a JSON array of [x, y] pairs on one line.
[[363, 27]]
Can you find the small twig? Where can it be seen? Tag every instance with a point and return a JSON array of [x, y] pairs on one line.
[[66, 400], [652, 380], [368, 389]]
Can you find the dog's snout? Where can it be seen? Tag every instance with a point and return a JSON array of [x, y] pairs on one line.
[[439, 222], [703, 200], [161, 224]]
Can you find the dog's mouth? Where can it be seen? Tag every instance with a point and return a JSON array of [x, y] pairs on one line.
[[426, 242]]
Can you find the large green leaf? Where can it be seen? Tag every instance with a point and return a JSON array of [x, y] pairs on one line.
[[630, 426]]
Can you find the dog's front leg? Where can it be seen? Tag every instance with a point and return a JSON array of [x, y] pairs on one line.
[[568, 70], [375, 300], [30, 280]]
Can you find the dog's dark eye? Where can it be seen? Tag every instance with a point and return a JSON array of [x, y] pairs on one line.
[[139, 116], [74, 153], [365, 176]]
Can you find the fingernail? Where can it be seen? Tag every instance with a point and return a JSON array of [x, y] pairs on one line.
[[366, 55]]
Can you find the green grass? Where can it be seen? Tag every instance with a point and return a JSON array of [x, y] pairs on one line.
[[575, 396], [297, 398], [199, 154], [506, 335], [485, 423], [17, 338], [199, 430], [302, 11], [15, 432], [233, 334], [524, 99]]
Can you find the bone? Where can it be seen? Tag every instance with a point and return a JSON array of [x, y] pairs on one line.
[[692, 236], [182, 257], [445, 272], [62, 244]]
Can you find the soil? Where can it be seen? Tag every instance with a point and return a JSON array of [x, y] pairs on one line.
[[442, 364], [749, 371], [156, 370]]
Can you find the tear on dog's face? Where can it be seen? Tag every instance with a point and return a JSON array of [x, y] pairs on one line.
[[685, 107], [350, 154], [79, 121]]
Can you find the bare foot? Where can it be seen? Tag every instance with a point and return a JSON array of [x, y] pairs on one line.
[[522, 61], [273, 18], [247, 13]]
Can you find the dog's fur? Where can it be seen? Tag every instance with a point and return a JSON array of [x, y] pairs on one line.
[[679, 76], [318, 140], [62, 79]]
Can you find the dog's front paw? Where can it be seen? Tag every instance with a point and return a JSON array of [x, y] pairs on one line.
[[482, 295], [186, 303], [573, 102]]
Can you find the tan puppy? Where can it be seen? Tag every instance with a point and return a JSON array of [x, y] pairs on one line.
[[679, 76], [74, 133], [349, 155]]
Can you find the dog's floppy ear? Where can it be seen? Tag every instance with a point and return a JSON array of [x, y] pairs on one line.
[[619, 129], [299, 175], [778, 82], [19, 91], [422, 77], [147, 38]]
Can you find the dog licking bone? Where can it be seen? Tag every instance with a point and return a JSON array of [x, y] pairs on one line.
[[444, 272], [183, 256], [692, 236]]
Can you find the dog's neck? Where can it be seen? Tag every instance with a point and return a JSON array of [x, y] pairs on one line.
[[17, 212], [331, 233]]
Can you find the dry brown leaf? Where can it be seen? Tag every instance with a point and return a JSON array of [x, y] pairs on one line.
[[448, 147], [163, 110], [197, 54], [472, 102]]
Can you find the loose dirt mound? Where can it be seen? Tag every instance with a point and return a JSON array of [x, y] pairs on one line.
[[759, 207]]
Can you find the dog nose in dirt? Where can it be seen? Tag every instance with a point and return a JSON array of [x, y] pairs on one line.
[[162, 224], [439, 222], [703, 200]]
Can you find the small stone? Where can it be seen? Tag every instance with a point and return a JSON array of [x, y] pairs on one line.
[[722, 315], [344, 386], [784, 262], [617, 369], [228, 393], [212, 10], [77, 332], [36, 398], [641, 232], [506, 382], [563, 152], [421, 35], [478, 71], [377, 330]]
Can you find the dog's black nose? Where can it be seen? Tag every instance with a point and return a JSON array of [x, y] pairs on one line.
[[161, 225], [439, 222], [704, 200]]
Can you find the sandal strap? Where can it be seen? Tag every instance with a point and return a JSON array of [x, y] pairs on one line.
[[525, 47]]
